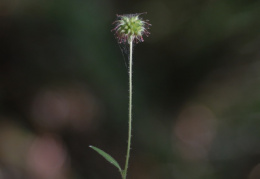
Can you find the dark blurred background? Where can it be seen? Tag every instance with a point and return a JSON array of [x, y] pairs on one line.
[[64, 86]]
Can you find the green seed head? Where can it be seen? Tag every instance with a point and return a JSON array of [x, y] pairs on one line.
[[130, 28]]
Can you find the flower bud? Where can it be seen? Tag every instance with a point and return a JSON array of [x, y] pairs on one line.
[[131, 28]]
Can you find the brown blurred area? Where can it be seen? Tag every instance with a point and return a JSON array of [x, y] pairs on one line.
[[63, 87]]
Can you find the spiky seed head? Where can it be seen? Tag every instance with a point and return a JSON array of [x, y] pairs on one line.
[[131, 28]]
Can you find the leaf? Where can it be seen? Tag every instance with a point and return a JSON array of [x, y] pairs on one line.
[[108, 157]]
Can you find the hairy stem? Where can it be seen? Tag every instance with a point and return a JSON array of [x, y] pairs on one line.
[[130, 109]]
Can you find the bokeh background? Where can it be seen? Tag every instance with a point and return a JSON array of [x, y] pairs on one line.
[[64, 86]]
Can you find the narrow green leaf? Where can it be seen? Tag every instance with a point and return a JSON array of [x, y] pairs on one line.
[[107, 157]]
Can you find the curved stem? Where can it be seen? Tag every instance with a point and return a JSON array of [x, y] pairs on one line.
[[130, 109]]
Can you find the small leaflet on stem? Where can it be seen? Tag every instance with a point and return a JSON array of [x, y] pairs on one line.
[[108, 157]]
